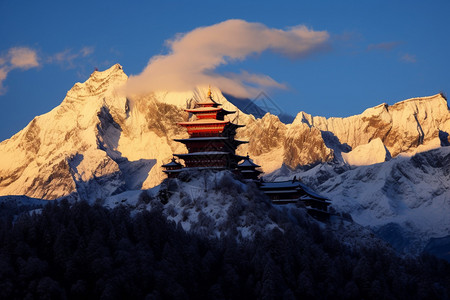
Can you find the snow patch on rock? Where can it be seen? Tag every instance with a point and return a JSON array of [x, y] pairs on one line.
[[372, 153]]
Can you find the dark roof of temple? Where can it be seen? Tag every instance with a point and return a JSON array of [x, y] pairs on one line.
[[173, 163], [248, 163], [209, 138], [290, 185]]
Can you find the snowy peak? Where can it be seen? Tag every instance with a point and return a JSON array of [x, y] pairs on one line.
[[98, 83], [37, 160], [408, 127], [99, 140]]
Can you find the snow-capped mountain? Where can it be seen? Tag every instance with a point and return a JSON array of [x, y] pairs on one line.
[[98, 143], [406, 198], [59, 151]]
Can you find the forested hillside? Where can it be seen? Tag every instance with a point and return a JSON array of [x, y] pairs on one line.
[[76, 251]]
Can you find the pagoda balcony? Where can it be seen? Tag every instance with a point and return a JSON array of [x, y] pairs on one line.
[[205, 125], [210, 158]]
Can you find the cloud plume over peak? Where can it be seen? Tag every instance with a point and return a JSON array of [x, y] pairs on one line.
[[194, 57]]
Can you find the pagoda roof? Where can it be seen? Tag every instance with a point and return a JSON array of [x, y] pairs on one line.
[[202, 109], [292, 191], [312, 193], [312, 198], [172, 163], [208, 138], [280, 185], [248, 163], [208, 101], [206, 109], [228, 111], [208, 153], [237, 125], [203, 153], [195, 168], [285, 185]]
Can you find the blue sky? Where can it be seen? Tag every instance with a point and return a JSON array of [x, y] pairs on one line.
[[379, 51]]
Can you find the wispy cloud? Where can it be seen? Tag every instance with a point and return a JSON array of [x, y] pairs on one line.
[[16, 58], [408, 58], [3, 75], [67, 57], [25, 58], [86, 51], [194, 57], [384, 46]]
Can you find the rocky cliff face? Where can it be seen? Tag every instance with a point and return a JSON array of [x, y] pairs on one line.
[[409, 126], [97, 142]]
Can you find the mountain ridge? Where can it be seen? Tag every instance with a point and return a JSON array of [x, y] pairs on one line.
[[97, 121], [99, 143]]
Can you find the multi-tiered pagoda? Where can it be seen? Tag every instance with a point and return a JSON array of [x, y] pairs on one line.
[[211, 143], [248, 170]]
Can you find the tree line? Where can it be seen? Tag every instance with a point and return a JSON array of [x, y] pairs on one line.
[[75, 251]]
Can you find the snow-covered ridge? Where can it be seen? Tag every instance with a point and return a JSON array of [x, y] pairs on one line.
[[411, 192], [408, 127], [402, 127], [98, 142], [426, 98], [38, 161]]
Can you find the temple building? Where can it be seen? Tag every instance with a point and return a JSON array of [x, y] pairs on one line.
[[211, 143], [284, 192], [172, 168], [247, 168]]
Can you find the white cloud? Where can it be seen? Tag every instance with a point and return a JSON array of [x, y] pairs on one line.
[[16, 58], [24, 58], [3, 74], [194, 57]]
